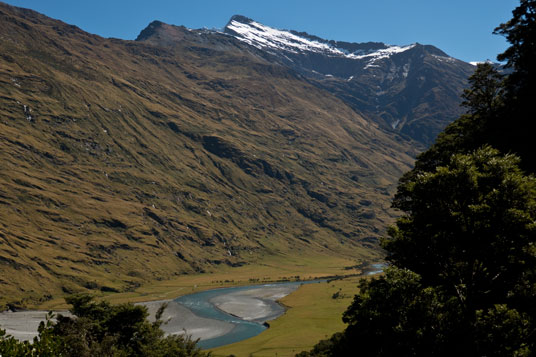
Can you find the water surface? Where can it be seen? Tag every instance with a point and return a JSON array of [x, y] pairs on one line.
[[201, 305]]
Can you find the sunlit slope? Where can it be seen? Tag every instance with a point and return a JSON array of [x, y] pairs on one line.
[[124, 163]]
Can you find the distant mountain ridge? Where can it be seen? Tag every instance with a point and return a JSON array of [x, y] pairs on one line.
[[413, 89], [266, 38]]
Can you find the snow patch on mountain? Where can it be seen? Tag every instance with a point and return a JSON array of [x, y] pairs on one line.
[[265, 37], [384, 53], [444, 59], [261, 36], [406, 70], [476, 63]]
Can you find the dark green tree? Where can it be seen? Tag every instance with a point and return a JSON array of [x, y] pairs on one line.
[[485, 93], [500, 112], [101, 329], [520, 32], [483, 100], [117, 330], [468, 227], [470, 233], [463, 268], [515, 135], [46, 344]]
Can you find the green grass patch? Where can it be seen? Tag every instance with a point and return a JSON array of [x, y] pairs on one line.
[[270, 269]]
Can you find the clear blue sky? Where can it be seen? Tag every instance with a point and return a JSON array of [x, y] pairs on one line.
[[461, 28]]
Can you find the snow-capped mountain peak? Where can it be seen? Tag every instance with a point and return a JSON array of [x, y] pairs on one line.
[[263, 37], [266, 38]]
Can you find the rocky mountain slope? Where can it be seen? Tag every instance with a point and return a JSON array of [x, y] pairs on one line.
[[125, 162], [413, 89]]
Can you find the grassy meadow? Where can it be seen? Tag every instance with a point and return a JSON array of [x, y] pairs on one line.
[[270, 269]]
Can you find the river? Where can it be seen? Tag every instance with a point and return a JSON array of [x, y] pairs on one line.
[[246, 308], [216, 317]]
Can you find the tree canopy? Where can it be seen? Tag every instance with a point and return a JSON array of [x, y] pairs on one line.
[[101, 329], [462, 278], [500, 109]]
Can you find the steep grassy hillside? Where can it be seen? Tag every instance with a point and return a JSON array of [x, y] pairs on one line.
[[124, 163]]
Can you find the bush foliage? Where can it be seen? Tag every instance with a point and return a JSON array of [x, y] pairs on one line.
[[101, 329]]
